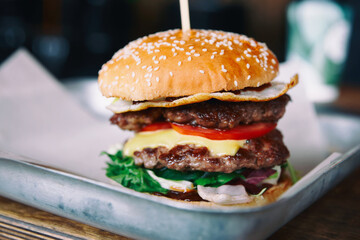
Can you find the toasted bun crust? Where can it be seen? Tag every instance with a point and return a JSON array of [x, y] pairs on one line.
[[174, 64]]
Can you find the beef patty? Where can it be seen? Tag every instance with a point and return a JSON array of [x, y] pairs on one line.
[[211, 114], [262, 152]]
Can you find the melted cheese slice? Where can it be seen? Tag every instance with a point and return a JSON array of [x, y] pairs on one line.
[[169, 138]]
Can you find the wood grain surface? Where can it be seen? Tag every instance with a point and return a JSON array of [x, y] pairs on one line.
[[334, 216]]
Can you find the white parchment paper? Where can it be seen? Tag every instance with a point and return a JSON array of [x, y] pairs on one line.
[[42, 121]]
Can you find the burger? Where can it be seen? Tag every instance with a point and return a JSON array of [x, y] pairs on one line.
[[203, 106]]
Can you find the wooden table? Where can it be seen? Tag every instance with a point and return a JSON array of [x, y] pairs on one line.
[[335, 216]]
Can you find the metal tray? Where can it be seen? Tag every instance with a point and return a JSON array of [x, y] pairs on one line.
[[144, 216]]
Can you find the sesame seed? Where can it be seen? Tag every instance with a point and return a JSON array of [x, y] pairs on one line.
[[212, 56], [192, 51], [247, 65], [127, 66], [157, 50], [236, 83], [143, 67], [189, 58], [175, 54], [197, 55], [117, 77], [202, 71], [191, 47], [248, 77], [156, 62], [238, 59], [204, 49], [157, 79], [171, 74], [273, 61], [214, 53], [182, 42], [179, 63], [187, 53], [157, 68], [133, 74]]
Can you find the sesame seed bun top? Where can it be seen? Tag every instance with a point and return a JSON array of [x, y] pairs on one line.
[[173, 64]]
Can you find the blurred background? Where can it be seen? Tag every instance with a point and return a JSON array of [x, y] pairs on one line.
[[73, 38]]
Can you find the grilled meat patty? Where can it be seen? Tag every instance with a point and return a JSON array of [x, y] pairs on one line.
[[262, 152], [211, 114]]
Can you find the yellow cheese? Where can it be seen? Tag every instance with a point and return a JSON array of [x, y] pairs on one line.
[[169, 138]]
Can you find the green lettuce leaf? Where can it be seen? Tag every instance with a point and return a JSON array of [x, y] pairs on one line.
[[293, 174], [210, 179], [123, 170]]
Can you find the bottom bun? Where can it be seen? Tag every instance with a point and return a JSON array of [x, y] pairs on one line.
[[268, 197]]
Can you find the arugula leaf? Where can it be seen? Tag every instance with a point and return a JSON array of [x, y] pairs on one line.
[[124, 171]]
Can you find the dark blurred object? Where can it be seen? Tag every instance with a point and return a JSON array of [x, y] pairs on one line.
[[71, 38], [352, 70], [74, 38]]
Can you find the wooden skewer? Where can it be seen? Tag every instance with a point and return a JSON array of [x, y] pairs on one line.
[[185, 19]]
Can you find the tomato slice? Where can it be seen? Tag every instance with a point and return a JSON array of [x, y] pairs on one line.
[[156, 126], [238, 133]]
